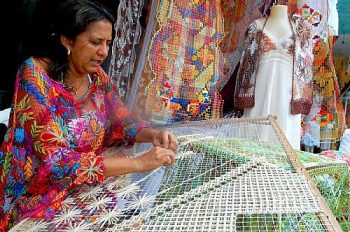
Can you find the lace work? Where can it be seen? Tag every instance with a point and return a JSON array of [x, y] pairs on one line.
[[128, 34]]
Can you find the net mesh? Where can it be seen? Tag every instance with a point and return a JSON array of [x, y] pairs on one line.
[[228, 176]]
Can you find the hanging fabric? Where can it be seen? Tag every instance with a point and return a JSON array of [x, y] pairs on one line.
[[325, 123], [128, 32]]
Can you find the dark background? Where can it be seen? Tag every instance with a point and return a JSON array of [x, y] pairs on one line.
[[20, 21]]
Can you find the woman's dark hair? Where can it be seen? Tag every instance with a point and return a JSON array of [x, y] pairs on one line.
[[72, 17]]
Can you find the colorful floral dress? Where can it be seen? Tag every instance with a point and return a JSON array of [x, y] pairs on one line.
[[54, 142]]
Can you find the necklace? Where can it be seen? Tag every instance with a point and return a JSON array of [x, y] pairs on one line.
[[74, 89]]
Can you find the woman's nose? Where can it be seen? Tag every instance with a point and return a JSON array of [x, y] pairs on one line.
[[103, 50]]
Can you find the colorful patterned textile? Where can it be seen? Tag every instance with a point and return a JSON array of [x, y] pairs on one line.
[[54, 142], [326, 120], [342, 69], [292, 5], [237, 15], [185, 63], [337, 155]]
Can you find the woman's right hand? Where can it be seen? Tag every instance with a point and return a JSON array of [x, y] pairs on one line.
[[155, 158]]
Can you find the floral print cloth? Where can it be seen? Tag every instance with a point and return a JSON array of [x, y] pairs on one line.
[[54, 142]]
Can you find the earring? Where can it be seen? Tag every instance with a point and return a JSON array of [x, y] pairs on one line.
[[68, 51]]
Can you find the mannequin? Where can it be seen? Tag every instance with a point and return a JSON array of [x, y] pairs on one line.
[[278, 21], [275, 75]]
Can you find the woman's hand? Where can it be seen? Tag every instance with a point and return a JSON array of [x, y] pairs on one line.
[[155, 158], [165, 139]]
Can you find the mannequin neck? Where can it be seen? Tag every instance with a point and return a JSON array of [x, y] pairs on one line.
[[278, 22], [279, 12]]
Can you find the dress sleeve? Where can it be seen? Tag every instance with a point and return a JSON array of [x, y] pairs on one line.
[[38, 164], [245, 83], [122, 125], [303, 70]]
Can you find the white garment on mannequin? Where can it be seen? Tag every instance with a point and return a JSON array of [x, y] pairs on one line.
[[278, 22], [274, 78]]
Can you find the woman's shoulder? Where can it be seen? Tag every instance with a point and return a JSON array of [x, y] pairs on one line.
[[103, 80], [32, 68], [33, 77], [27, 65]]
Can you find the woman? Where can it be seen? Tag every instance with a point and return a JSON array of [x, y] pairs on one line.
[[65, 114]]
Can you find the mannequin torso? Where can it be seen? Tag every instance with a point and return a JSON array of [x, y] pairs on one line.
[[267, 70], [278, 22]]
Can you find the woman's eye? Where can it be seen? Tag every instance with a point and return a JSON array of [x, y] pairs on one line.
[[95, 42]]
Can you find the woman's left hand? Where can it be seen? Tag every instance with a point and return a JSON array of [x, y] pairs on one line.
[[165, 139]]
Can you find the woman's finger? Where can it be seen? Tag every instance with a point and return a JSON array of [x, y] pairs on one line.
[[165, 139]]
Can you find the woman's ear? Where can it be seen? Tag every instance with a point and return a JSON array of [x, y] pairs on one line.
[[67, 43]]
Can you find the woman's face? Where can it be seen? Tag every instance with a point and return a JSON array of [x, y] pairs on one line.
[[90, 48]]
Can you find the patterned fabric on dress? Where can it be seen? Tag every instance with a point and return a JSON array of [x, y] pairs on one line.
[[54, 142], [267, 69], [325, 122]]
